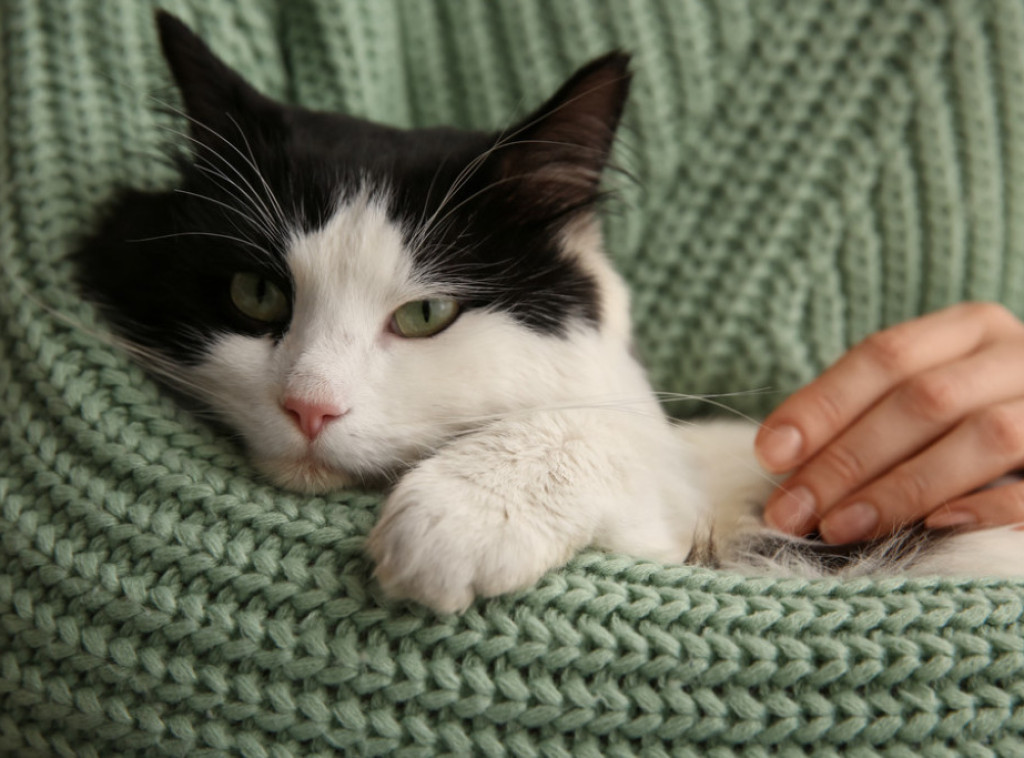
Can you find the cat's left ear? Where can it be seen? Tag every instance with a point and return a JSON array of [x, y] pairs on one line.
[[553, 160], [218, 101]]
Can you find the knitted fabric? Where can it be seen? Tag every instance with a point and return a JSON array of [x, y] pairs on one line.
[[805, 174]]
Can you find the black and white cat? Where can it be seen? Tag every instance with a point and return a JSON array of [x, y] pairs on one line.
[[432, 309]]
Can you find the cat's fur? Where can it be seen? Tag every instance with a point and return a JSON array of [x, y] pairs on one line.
[[519, 434]]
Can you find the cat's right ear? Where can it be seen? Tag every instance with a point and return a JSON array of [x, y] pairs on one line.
[[218, 101], [553, 161]]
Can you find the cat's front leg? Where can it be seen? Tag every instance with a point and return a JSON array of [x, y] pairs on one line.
[[496, 509], [489, 514]]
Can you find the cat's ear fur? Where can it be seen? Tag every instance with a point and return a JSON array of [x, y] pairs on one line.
[[218, 101], [553, 160]]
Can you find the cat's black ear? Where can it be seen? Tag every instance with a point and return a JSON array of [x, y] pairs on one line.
[[553, 160], [218, 101]]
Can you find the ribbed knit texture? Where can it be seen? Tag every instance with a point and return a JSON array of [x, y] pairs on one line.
[[805, 174]]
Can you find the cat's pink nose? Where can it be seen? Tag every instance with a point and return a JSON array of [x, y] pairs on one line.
[[311, 417]]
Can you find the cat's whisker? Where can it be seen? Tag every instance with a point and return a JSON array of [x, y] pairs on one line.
[[737, 393], [253, 221], [216, 235], [273, 225], [241, 194], [273, 261], [639, 405], [629, 405], [463, 177], [463, 425], [416, 238], [710, 400], [250, 160], [487, 188]]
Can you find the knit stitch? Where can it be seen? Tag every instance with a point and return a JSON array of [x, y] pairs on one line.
[[805, 173]]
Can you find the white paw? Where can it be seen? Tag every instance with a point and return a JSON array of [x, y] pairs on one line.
[[468, 523], [448, 542]]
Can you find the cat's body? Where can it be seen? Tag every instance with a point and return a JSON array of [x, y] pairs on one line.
[[433, 309]]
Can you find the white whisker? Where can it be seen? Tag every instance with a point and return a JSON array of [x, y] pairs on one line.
[[251, 160], [273, 226], [215, 235], [253, 221], [248, 160]]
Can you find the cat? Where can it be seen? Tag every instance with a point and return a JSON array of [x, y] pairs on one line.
[[431, 310]]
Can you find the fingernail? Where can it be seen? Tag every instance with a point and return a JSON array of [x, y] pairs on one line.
[[943, 519], [779, 448], [793, 512], [852, 523]]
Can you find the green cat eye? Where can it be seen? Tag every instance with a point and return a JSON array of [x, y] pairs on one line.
[[424, 318], [258, 298]]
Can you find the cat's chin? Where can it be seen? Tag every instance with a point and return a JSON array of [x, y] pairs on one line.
[[307, 476]]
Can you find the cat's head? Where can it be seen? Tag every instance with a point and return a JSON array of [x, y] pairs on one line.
[[348, 296]]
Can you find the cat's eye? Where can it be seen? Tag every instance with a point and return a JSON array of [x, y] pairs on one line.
[[424, 318], [258, 298]]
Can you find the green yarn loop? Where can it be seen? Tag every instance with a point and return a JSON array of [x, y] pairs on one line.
[[806, 174]]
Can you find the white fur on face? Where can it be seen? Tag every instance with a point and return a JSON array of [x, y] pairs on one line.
[[402, 398]]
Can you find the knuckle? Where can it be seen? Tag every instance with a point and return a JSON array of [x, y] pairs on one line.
[[828, 408], [931, 396], [1002, 430], [844, 466], [909, 491], [887, 350], [989, 312]]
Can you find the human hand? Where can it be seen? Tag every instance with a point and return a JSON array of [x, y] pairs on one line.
[[907, 425]]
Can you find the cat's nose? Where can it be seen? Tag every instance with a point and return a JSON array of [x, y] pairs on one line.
[[311, 417]]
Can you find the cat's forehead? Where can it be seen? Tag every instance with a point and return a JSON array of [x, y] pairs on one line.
[[325, 160], [360, 249]]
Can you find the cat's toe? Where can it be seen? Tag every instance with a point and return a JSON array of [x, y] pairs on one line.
[[413, 563], [425, 587]]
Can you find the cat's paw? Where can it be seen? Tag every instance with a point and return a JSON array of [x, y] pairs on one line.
[[443, 543], [466, 524]]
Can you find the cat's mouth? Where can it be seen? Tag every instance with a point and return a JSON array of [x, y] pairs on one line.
[[307, 474], [318, 468]]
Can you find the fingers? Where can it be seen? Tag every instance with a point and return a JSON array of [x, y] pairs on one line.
[[910, 418], [816, 414], [980, 449], [994, 506]]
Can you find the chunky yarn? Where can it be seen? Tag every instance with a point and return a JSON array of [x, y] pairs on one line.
[[805, 173]]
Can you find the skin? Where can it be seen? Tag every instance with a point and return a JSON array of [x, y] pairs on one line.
[[911, 424]]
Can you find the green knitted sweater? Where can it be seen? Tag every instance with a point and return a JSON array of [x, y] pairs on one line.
[[805, 174]]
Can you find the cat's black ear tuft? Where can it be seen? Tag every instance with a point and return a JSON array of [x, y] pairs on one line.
[[217, 100], [553, 160]]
